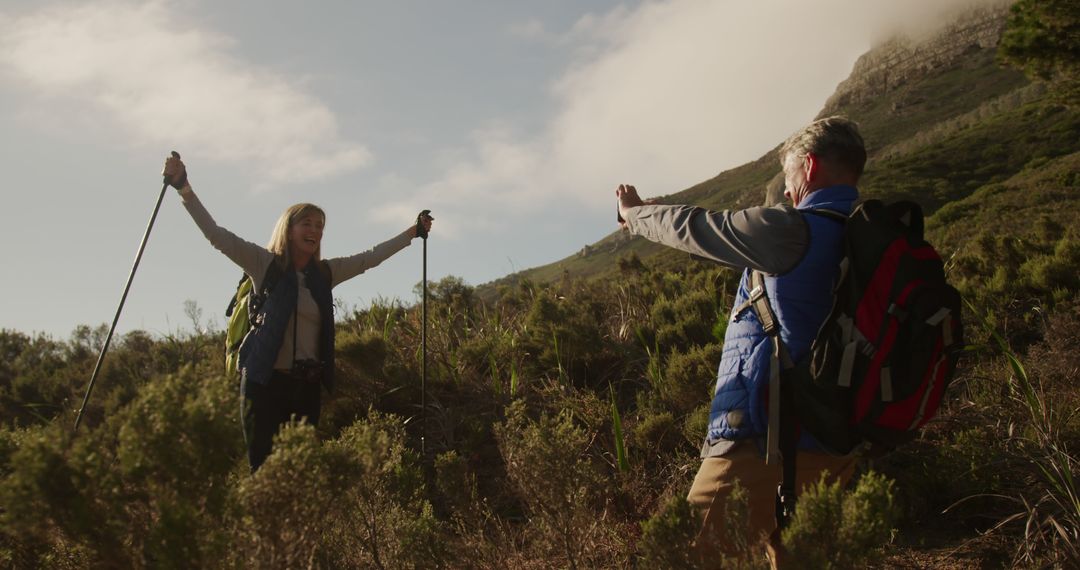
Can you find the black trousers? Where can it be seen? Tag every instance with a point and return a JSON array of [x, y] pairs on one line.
[[266, 407]]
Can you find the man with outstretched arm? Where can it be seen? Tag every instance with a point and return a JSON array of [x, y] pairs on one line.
[[799, 251]]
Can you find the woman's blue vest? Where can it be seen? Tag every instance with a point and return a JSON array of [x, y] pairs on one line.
[[260, 349], [801, 299]]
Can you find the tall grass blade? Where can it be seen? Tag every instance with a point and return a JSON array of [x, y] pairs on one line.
[[655, 371], [620, 446], [389, 322], [558, 357], [1055, 465], [496, 384], [513, 378]]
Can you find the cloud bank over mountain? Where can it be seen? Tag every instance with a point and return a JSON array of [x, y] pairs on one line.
[[664, 95], [165, 82]]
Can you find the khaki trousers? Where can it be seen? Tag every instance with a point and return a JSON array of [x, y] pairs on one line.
[[717, 475]]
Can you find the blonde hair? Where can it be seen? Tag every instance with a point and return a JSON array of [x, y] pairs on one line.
[[279, 241]]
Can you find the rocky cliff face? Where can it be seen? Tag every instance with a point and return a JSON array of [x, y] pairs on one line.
[[902, 59]]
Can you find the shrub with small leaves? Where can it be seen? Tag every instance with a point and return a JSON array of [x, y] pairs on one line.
[[685, 320], [383, 519], [356, 501], [834, 529], [56, 499], [178, 444], [284, 504], [689, 377], [666, 536], [562, 489]]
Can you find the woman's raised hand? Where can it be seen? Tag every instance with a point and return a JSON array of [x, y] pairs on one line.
[[423, 224], [175, 173]]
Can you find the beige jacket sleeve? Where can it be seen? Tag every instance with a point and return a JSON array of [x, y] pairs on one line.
[[344, 268], [772, 240], [252, 258]]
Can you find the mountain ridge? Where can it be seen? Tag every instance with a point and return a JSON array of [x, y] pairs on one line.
[[906, 94]]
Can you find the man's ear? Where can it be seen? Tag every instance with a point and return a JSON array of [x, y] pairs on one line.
[[811, 167]]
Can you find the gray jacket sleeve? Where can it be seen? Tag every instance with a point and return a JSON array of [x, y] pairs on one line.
[[772, 240], [252, 258], [345, 268]]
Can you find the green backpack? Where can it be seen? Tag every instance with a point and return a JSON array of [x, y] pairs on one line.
[[246, 302]]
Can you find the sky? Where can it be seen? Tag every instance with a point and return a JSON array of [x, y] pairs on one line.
[[512, 121]]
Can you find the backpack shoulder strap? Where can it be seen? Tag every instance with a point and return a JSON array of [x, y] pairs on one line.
[[828, 214], [780, 360], [236, 295], [324, 270], [782, 437], [272, 276]]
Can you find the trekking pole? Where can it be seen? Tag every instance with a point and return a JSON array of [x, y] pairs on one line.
[[423, 332], [138, 257]]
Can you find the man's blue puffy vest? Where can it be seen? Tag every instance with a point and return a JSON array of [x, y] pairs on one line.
[[801, 299], [260, 348]]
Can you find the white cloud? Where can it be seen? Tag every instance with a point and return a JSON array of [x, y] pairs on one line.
[[168, 82], [583, 36], [666, 95]]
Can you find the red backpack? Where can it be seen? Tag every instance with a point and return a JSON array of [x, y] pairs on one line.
[[882, 360]]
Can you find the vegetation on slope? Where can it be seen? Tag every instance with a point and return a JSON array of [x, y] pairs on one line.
[[564, 415]]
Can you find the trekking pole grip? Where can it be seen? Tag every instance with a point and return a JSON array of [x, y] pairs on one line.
[[422, 232], [167, 180]]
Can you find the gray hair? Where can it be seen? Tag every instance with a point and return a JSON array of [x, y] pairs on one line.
[[833, 139]]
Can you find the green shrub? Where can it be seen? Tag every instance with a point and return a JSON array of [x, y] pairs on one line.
[[39, 377], [1041, 39], [178, 444], [182, 433], [666, 537], [356, 501], [56, 500], [285, 504], [697, 423], [385, 520], [1058, 270], [834, 529], [146, 488], [10, 441], [560, 487], [655, 434], [689, 378], [457, 486], [685, 320], [364, 350], [483, 538], [361, 377], [561, 335]]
